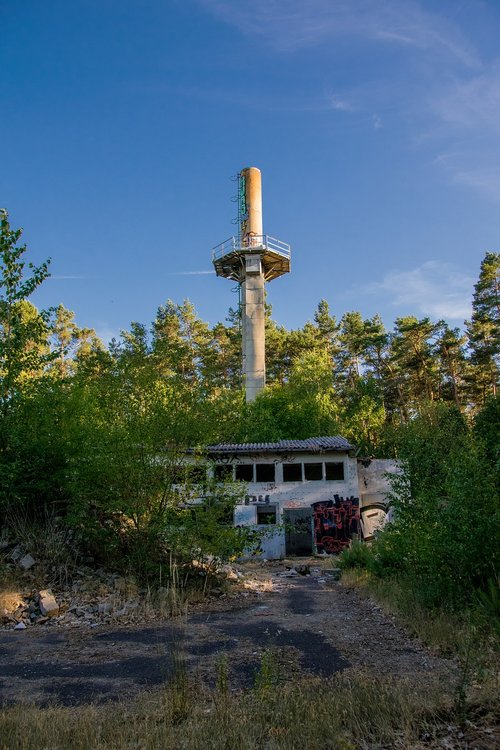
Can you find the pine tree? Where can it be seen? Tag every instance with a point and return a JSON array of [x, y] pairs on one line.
[[484, 329]]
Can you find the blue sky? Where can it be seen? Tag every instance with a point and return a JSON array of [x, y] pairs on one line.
[[376, 124]]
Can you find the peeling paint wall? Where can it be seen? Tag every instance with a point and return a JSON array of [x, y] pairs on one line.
[[374, 487], [291, 495]]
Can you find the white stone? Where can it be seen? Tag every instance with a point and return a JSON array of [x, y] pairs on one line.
[[20, 626], [48, 605]]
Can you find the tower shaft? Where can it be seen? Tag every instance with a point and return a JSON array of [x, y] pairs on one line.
[[252, 258], [253, 328], [252, 287]]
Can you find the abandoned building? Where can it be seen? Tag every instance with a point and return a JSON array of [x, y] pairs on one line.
[[305, 496], [309, 495]]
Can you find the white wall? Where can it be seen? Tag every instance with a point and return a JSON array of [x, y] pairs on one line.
[[301, 494]]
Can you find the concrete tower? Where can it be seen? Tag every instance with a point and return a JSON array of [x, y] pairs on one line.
[[251, 259]]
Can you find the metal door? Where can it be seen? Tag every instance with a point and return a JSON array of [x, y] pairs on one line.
[[298, 531]]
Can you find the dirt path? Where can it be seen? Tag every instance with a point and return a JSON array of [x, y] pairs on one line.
[[310, 624]]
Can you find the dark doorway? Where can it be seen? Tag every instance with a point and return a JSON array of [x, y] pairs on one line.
[[298, 532]]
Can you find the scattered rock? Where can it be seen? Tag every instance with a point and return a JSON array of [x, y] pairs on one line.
[[303, 570], [334, 574], [20, 626], [47, 603], [26, 562], [16, 554]]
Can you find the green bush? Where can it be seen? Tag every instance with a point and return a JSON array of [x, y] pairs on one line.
[[358, 555], [445, 537]]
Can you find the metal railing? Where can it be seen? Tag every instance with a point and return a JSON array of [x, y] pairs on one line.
[[249, 244]]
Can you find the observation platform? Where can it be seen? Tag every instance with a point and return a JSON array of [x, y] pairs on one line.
[[229, 257]]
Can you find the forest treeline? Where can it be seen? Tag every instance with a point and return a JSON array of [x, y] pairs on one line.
[[82, 423]]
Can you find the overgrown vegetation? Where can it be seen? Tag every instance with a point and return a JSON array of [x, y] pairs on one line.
[[347, 712], [444, 539], [95, 436]]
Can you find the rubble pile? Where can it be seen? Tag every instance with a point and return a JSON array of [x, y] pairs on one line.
[[94, 596]]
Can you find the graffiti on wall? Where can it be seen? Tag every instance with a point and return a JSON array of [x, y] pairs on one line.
[[336, 522]]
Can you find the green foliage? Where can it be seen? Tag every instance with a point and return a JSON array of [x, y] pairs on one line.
[[358, 555], [303, 407], [23, 330], [267, 677], [446, 533], [98, 436], [484, 329], [487, 431]]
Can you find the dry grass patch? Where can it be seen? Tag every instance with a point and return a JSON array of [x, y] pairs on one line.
[[347, 712]]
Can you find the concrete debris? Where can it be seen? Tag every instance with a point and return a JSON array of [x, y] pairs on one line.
[[26, 562], [47, 603], [303, 570], [16, 554], [334, 574], [20, 626]]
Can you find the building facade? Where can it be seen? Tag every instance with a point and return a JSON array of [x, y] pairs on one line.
[[305, 496]]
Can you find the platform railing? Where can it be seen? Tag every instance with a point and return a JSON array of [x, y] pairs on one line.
[[251, 244]]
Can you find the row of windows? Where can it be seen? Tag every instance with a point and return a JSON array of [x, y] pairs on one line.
[[296, 472]]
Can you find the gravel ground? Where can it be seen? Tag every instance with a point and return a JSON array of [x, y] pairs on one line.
[[310, 624]]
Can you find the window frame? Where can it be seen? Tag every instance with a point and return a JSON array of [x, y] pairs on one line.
[[266, 465], [314, 463], [341, 463]]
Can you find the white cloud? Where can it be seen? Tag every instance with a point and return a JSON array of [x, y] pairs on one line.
[[467, 118], [291, 24], [449, 97], [473, 102], [342, 105], [434, 289]]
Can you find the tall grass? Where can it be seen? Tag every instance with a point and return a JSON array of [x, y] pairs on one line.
[[347, 712]]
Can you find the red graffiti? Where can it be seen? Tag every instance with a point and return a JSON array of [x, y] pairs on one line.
[[336, 522]]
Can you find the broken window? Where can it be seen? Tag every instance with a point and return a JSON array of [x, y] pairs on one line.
[[265, 472], [244, 472], [292, 472], [313, 472], [266, 514], [223, 472], [334, 470]]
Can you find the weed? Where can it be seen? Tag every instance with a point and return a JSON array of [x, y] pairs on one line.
[[222, 682], [351, 710], [179, 694], [267, 676]]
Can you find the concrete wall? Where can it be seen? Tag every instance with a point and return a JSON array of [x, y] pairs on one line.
[[289, 495], [302, 494], [374, 487]]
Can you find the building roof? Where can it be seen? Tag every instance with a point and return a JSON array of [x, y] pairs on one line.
[[309, 445]]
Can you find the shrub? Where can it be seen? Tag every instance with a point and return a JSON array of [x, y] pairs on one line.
[[358, 555]]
